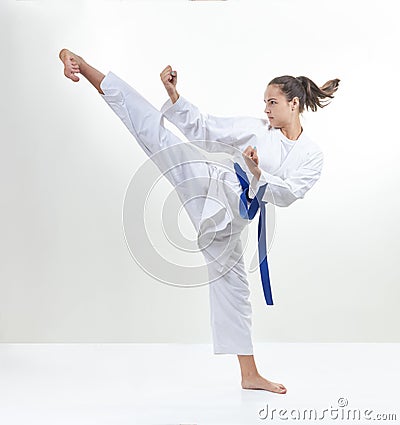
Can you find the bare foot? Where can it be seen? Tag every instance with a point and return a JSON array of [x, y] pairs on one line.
[[257, 382], [72, 63]]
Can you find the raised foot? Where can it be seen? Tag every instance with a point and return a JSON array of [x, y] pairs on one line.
[[260, 383], [72, 63]]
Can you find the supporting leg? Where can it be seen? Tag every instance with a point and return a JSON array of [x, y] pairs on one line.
[[230, 309], [230, 314], [252, 380]]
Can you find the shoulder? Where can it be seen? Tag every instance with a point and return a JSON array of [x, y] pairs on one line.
[[250, 122], [310, 146]]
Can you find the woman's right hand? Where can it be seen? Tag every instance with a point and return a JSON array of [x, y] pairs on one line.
[[251, 158], [169, 82]]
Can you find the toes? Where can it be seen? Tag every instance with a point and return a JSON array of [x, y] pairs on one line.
[[72, 76], [281, 388]]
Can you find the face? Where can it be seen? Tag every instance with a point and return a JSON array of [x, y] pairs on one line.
[[280, 112]]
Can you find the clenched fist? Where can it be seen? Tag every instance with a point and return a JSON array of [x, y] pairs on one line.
[[169, 78], [251, 158]]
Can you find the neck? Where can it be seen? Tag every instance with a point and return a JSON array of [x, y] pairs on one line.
[[293, 130]]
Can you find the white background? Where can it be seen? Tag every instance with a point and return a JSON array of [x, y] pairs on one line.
[[66, 274]]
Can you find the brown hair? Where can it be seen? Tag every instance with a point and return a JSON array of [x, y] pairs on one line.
[[310, 95]]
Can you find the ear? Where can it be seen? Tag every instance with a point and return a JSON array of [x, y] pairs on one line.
[[295, 103]]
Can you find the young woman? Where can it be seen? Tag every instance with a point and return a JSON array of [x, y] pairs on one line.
[[276, 153]]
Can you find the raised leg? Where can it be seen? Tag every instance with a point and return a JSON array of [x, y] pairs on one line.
[[181, 163]]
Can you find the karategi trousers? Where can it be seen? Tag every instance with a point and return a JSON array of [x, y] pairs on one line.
[[214, 194]]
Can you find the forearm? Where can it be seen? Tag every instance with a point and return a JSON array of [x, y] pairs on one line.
[[257, 174], [274, 194], [173, 95], [195, 125], [283, 192]]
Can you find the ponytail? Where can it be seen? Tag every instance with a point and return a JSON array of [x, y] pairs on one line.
[[316, 96], [310, 95]]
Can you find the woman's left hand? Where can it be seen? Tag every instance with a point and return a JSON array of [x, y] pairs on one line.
[[251, 158]]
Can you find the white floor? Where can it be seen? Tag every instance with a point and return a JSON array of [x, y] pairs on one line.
[[115, 384]]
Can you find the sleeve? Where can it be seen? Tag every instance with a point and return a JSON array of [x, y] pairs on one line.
[[205, 129], [283, 192]]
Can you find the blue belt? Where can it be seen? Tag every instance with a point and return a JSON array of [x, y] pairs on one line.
[[249, 212]]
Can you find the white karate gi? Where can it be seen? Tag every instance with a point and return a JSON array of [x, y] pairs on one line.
[[214, 190]]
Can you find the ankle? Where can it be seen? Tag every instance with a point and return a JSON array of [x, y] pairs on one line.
[[250, 375]]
